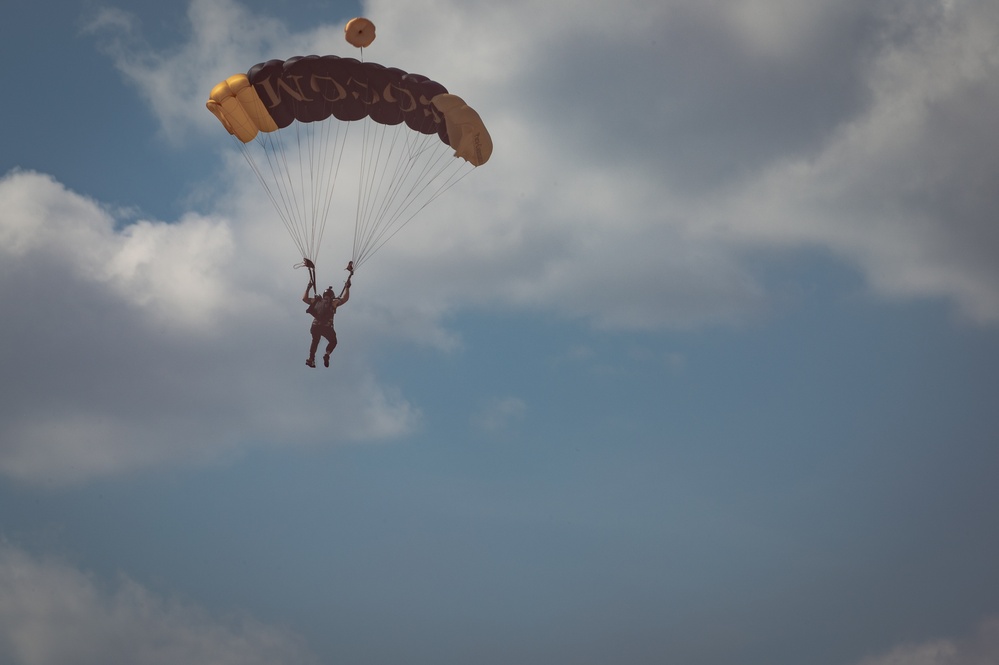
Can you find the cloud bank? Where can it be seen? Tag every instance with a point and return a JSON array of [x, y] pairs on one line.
[[137, 344], [648, 164], [652, 152], [54, 614]]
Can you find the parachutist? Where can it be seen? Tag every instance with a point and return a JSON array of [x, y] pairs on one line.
[[322, 308], [275, 101]]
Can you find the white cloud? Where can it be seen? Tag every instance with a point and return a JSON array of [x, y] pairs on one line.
[[904, 190], [53, 614], [979, 649], [158, 343], [224, 36], [643, 156], [527, 230], [170, 271], [644, 185]]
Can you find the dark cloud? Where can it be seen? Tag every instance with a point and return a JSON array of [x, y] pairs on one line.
[[693, 98]]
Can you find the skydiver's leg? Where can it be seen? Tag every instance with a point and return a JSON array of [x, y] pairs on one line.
[[331, 336], [316, 334]]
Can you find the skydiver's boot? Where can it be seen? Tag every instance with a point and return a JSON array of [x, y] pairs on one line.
[[326, 360], [311, 362]]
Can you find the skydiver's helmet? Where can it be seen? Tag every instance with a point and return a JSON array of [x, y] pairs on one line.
[[328, 293]]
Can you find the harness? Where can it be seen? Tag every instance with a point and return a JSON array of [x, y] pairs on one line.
[[322, 311]]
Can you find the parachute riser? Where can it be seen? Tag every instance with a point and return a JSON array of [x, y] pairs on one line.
[[346, 285], [312, 273]]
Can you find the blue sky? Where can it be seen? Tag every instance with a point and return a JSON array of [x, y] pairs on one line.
[[699, 368]]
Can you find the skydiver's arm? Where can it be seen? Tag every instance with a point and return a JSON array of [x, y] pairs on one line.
[[305, 297], [345, 294]]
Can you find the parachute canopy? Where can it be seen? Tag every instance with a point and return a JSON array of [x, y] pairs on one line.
[[311, 88], [297, 112]]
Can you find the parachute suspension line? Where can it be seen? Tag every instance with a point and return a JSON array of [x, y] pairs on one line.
[[322, 146], [457, 173], [317, 163], [296, 191], [412, 185], [304, 137], [312, 191], [390, 196], [388, 190], [373, 134], [277, 198], [303, 201], [275, 150], [333, 136], [371, 166]]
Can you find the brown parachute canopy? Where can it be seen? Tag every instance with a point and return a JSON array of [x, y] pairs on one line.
[[273, 94]]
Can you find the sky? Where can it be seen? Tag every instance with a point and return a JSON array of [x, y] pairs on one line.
[[699, 368]]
